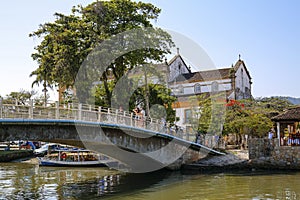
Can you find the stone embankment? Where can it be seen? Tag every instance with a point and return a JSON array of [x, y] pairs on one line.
[[7, 156], [233, 160], [263, 154], [268, 154]]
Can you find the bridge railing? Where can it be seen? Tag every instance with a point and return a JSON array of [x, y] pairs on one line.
[[88, 113]]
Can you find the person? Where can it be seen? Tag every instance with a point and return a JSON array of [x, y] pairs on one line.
[[270, 135], [143, 114], [138, 115]]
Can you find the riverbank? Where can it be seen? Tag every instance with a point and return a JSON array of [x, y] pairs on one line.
[[234, 160], [7, 156]]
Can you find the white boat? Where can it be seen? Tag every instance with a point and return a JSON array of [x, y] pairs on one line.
[[75, 157]]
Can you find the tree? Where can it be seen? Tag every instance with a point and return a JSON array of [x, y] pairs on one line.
[[62, 50], [160, 101], [271, 106], [67, 42], [246, 118], [19, 98], [210, 109], [242, 117]]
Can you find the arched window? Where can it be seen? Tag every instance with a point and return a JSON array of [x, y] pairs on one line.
[[180, 89], [215, 86], [197, 88]]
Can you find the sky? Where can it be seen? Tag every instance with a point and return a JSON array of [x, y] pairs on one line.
[[265, 34]]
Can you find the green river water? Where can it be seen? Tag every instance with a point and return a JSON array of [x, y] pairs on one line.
[[29, 181]]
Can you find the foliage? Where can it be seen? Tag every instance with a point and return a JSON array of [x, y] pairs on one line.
[[251, 117], [99, 93], [160, 101], [271, 106], [68, 40], [243, 119], [211, 112], [23, 97], [20, 98]]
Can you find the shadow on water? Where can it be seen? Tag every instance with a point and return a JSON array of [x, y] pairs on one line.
[[115, 184], [239, 171]]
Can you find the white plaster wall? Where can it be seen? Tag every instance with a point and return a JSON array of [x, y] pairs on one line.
[[180, 114], [239, 79], [188, 88], [174, 70]]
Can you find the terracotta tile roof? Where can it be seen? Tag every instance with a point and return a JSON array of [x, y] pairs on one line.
[[209, 75], [292, 114]]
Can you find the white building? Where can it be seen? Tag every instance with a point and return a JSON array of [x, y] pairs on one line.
[[234, 81]]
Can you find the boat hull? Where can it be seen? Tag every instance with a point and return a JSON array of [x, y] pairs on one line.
[[70, 164]]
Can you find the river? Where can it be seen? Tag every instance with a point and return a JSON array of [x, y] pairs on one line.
[[29, 181]]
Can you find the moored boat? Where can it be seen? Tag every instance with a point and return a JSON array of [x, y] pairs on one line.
[[75, 157]]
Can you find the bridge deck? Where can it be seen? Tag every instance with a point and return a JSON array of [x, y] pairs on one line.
[[58, 122]]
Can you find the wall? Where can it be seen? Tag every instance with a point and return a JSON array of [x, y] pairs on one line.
[[189, 88], [242, 81], [268, 153], [175, 70]]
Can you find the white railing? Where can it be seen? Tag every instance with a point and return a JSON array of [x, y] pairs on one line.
[[88, 113]]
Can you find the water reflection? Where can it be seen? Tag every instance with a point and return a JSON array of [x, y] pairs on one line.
[[112, 185], [27, 181]]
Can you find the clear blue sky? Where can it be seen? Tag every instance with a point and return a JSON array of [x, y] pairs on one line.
[[265, 33]]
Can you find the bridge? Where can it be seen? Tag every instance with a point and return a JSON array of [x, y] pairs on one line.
[[141, 145]]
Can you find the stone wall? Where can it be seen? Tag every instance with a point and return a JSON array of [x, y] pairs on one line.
[[267, 153], [7, 156]]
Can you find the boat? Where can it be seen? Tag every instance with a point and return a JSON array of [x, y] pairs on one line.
[[75, 157]]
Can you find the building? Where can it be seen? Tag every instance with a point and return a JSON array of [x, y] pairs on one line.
[[288, 127], [234, 81]]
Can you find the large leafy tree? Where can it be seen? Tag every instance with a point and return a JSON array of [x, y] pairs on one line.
[[246, 118], [68, 40]]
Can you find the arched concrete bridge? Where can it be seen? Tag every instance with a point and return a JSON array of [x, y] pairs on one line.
[[142, 146]]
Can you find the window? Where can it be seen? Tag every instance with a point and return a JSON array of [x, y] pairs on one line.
[[180, 89], [197, 88], [187, 116], [215, 86]]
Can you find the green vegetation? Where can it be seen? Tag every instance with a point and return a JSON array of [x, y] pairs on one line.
[[244, 117], [66, 43], [23, 96]]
